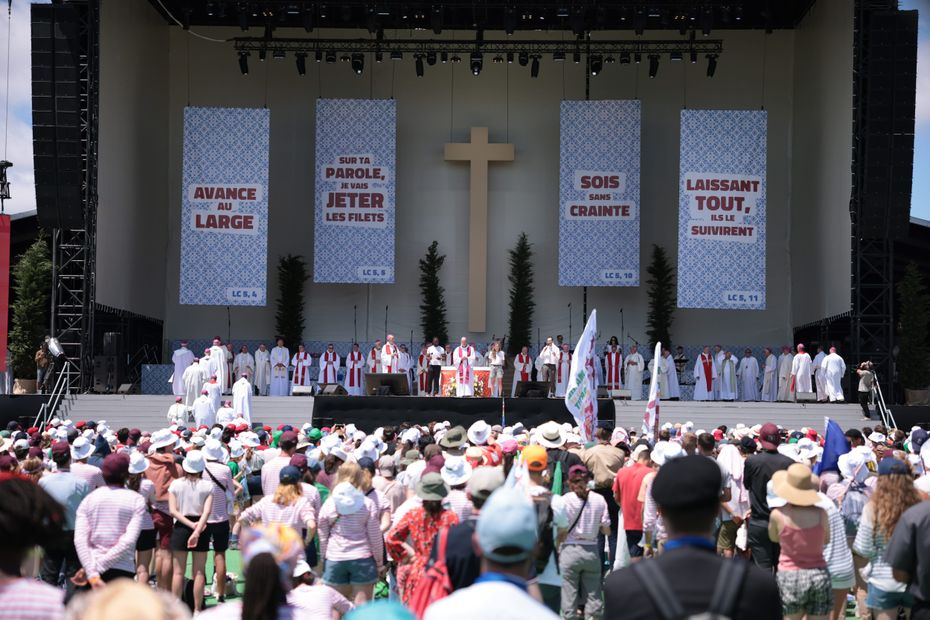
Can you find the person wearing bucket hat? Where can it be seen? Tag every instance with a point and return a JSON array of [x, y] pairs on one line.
[[757, 471], [419, 526], [456, 472], [801, 529], [81, 451], [162, 470], [453, 441], [225, 490], [894, 493], [190, 500]]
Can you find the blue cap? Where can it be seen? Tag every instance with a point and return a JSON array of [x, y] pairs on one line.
[[289, 475], [380, 610], [892, 466], [313, 464], [507, 521]]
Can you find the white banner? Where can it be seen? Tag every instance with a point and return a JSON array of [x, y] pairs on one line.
[[651, 418], [581, 393]]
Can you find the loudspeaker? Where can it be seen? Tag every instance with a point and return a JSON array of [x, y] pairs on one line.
[[302, 390], [602, 392], [395, 382], [805, 397], [531, 389], [128, 388], [111, 343], [56, 115], [106, 373], [332, 389]]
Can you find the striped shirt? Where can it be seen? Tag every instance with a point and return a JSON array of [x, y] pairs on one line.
[[350, 537], [106, 529], [652, 520], [381, 502], [871, 543], [147, 491], [298, 515], [28, 599], [219, 512], [313, 496], [88, 473], [271, 474], [233, 611], [457, 501], [593, 517], [836, 553], [319, 601]]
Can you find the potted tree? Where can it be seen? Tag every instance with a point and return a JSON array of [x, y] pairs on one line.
[[32, 283]]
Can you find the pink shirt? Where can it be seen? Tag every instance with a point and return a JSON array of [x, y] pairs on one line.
[[219, 512], [271, 474], [591, 520], [350, 537], [457, 501], [147, 491], [88, 473], [106, 528], [298, 515], [318, 601], [28, 599], [801, 548]]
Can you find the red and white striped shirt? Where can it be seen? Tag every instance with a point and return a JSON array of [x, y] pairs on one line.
[[592, 519], [219, 512], [28, 599], [106, 528], [147, 491], [88, 473], [271, 473], [350, 537], [313, 496], [298, 515], [457, 501], [319, 601]]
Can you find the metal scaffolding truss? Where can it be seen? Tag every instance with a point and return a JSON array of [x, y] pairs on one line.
[[74, 250]]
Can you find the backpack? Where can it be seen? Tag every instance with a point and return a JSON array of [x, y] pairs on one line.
[[854, 500], [434, 584], [546, 535], [722, 602]]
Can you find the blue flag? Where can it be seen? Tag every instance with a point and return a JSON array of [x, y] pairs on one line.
[[834, 444]]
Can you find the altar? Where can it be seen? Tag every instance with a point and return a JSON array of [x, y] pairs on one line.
[[482, 384]]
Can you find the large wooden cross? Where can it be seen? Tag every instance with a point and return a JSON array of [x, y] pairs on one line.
[[478, 152]]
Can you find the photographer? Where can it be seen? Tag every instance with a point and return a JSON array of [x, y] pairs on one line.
[[866, 379]]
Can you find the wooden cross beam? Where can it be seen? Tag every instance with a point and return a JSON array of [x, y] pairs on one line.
[[478, 152]]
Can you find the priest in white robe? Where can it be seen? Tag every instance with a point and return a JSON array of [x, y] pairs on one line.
[[193, 380], [177, 413], [225, 414], [718, 360], [218, 361], [423, 372], [770, 377], [785, 361], [834, 369], [330, 363], [374, 358], [727, 378], [214, 391], [801, 371], [355, 365], [405, 366], [181, 358], [244, 363], [819, 383], [663, 376], [522, 368], [242, 398], [262, 369], [613, 363], [280, 358], [301, 363], [671, 371], [747, 374], [463, 358], [204, 411], [389, 356], [206, 365], [563, 370], [705, 374], [633, 379]]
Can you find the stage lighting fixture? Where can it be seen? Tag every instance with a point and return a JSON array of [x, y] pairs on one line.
[[597, 64], [711, 64], [476, 62], [455, 59], [262, 53], [278, 55], [653, 65], [330, 57], [639, 22], [318, 56], [308, 20], [244, 63], [395, 55], [534, 68], [675, 56], [301, 63], [358, 63], [576, 56], [510, 21], [637, 58], [54, 347], [431, 58], [436, 18], [558, 56], [443, 57], [243, 18], [497, 59], [692, 56], [379, 56], [509, 58], [419, 64], [345, 58], [610, 60], [707, 20], [524, 59], [624, 58]]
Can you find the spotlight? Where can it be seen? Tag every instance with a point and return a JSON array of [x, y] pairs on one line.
[[534, 68], [345, 58], [497, 59], [358, 63], [692, 56], [597, 64], [244, 63], [675, 56], [330, 57], [610, 60], [624, 58], [379, 56], [262, 53], [711, 64], [455, 59], [476, 63], [558, 56], [278, 55], [301, 63], [509, 58], [397, 55], [436, 19], [243, 18], [524, 59], [576, 56], [653, 65], [443, 57], [637, 58], [318, 56], [419, 64], [431, 58]]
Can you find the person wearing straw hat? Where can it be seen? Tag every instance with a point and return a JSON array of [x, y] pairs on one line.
[[190, 500], [137, 482], [802, 529]]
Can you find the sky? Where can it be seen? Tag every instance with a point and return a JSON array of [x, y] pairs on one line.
[[18, 129]]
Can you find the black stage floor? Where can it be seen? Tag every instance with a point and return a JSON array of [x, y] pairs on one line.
[[21, 408], [374, 411]]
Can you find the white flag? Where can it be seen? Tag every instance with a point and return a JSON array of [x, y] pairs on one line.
[[581, 393], [651, 417]]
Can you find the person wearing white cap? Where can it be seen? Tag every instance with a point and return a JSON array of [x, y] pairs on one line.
[[318, 600], [137, 482], [456, 472], [81, 450], [190, 500]]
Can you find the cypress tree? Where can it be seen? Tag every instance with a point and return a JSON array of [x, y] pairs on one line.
[[433, 296], [289, 318], [662, 298], [520, 331]]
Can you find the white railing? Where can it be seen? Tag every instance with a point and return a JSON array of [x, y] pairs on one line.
[[61, 389], [883, 411]]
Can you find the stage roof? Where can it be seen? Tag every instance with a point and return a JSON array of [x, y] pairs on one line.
[[570, 15]]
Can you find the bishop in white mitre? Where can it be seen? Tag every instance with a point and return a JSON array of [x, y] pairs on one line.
[[330, 362], [374, 358], [181, 358], [819, 375], [355, 364], [242, 398], [633, 379], [674, 390], [522, 368], [785, 361], [193, 380], [301, 363], [389, 356], [218, 361], [748, 373], [613, 363], [801, 371], [280, 358], [563, 370], [834, 369], [262, 369], [769, 377], [705, 375], [177, 413], [727, 377], [244, 363], [463, 358]]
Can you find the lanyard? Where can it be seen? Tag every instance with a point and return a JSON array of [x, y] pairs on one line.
[[690, 541], [501, 577]]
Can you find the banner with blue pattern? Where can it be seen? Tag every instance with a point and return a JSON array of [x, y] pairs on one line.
[[599, 193], [721, 214], [224, 207], [354, 213]]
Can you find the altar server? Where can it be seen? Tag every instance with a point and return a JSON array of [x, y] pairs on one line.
[[522, 368], [389, 355], [705, 373], [463, 358], [330, 362], [563, 370], [770, 377], [262, 369], [280, 358], [244, 363], [748, 373], [613, 362], [355, 364], [181, 358], [301, 363], [785, 361], [834, 369], [633, 380], [663, 375], [405, 366], [674, 390]]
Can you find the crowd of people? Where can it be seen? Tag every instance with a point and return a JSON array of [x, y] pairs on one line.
[[448, 522]]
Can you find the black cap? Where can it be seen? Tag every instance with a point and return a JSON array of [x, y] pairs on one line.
[[854, 433], [748, 444], [686, 482]]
